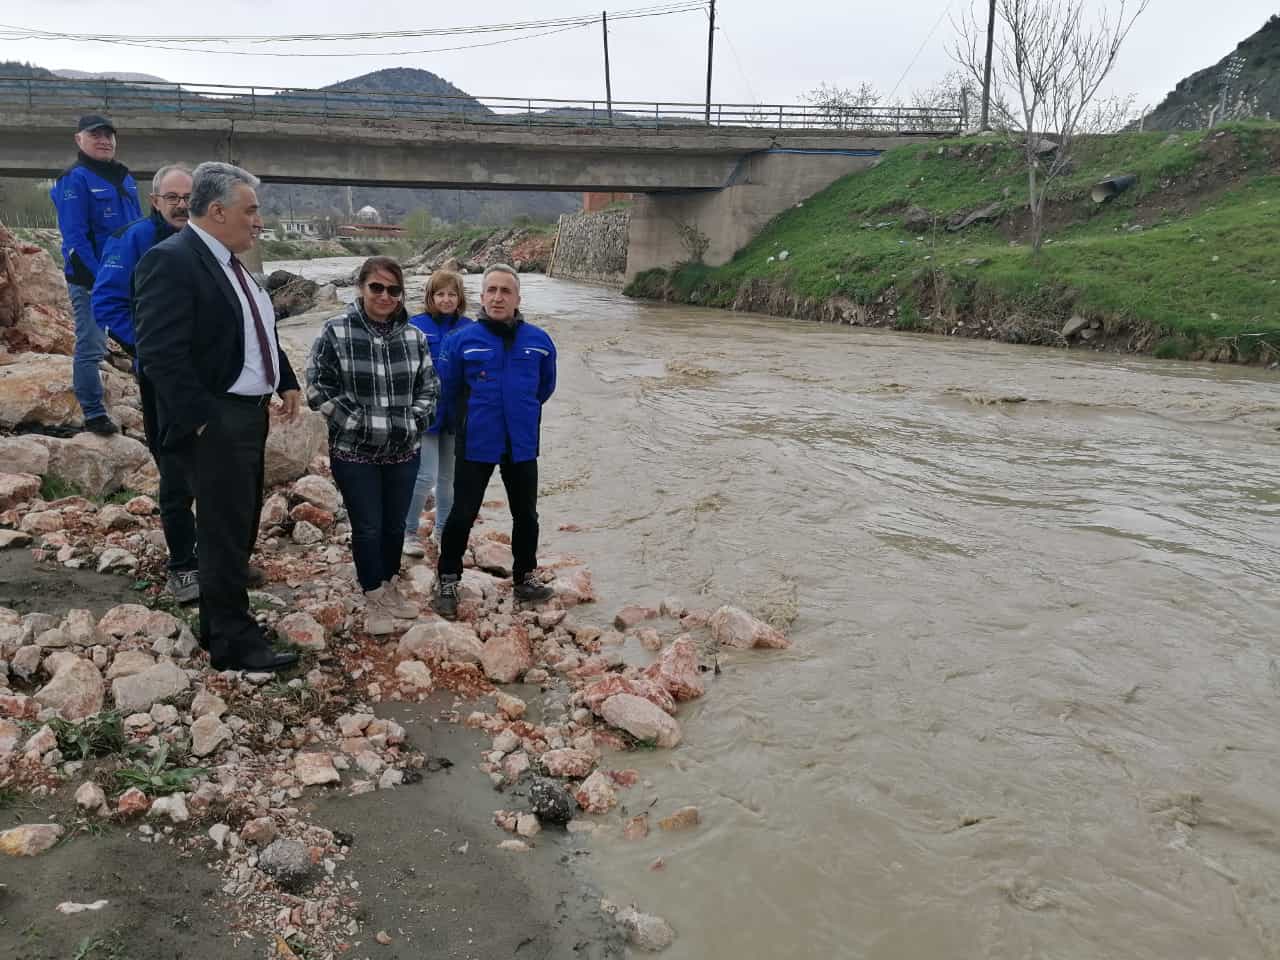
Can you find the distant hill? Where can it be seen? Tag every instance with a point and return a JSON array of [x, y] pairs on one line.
[[125, 77], [1194, 102], [402, 91], [494, 207], [12, 68]]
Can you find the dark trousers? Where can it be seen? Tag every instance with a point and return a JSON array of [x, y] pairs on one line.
[[377, 497], [224, 466], [469, 482], [176, 517], [177, 492]]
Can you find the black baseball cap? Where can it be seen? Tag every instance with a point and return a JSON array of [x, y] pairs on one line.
[[94, 122]]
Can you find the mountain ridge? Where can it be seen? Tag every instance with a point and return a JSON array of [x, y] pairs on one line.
[[1197, 100]]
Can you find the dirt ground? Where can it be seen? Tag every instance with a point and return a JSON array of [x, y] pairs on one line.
[[30, 587], [425, 854], [432, 875]]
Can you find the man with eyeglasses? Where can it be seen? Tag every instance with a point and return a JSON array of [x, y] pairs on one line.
[[113, 310], [94, 198]]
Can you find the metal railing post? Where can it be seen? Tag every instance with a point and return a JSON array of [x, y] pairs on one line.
[[528, 112], [179, 101], [253, 102], [30, 105]]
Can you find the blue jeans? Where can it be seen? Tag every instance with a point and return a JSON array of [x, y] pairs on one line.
[[91, 348], [435, 472], [376, 496]]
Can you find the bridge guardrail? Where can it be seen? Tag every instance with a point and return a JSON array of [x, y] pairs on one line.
[[289, 104]]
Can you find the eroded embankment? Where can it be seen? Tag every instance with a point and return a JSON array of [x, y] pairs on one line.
[[938, 239]]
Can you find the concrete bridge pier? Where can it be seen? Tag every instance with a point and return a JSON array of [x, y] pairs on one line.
[[764, 184]]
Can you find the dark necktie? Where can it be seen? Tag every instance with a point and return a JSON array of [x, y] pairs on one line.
[[264, 345]]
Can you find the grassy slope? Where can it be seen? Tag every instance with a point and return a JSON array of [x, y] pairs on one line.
[[1201, 268]]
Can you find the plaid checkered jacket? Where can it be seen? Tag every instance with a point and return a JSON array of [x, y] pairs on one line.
[[378, 393]]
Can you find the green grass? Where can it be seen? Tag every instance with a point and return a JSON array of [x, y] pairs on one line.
[[96, 736], [56, 488], [1200, 270], [156, 778]]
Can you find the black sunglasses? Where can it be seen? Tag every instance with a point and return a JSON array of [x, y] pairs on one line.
[[377, 289]]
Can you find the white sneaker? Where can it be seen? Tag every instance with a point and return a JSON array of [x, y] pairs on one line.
[[396, 603], [413, 546]]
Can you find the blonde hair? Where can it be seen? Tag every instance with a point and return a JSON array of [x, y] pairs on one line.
[[443, 280]]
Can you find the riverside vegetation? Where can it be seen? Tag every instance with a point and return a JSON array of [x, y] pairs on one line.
[[932, 239]]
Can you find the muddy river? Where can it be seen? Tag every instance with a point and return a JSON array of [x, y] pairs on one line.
[[1031, 709]]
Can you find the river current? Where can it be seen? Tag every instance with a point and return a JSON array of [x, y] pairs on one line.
[[1031, 707]]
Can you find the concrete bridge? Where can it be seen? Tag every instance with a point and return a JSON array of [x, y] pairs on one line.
[[726, 178]]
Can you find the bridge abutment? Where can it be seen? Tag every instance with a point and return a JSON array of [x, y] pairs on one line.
[[763, 185]]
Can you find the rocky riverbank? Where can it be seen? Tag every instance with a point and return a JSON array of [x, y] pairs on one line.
[[172, 809]]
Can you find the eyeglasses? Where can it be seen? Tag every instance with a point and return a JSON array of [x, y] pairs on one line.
[[172, 198], [378, 289]]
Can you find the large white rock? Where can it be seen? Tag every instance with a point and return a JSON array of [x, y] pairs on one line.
[[733, 627], [292, 446], [642, 719], [16, 488], [75, 692], [441, 640], [314, 769], [97, 465], [137, 693], [207, 734], [302, 630], [128, 663], [318, 491], [81, 628], [30, 839]]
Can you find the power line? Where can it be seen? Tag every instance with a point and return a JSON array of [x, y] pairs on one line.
[[742, 73], [372, 53], [914, 59], [11, 32]]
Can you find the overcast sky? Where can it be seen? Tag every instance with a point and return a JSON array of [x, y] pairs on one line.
[[766, 51]]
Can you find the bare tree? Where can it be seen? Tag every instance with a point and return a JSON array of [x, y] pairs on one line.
[[937, 108], [1052, 59], [847, 109]]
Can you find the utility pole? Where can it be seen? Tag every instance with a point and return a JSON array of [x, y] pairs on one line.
[[711, 49], [986, 71], [608, 82]]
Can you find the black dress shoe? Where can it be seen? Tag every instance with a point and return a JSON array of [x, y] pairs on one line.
[[263, 660]]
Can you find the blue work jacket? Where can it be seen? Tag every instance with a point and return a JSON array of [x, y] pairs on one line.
[[497, 384], [93, 200], [112, 291]]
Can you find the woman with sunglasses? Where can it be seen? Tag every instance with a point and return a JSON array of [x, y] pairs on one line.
[[370, 374]]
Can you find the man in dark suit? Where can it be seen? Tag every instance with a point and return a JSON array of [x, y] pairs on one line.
[[206, 340]]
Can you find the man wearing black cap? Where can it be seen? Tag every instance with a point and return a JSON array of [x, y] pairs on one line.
[[94, 198]]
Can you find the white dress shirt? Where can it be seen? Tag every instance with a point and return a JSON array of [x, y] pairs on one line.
[[252, 381]]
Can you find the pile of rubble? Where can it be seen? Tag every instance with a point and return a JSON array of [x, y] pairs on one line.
[[222, 762]]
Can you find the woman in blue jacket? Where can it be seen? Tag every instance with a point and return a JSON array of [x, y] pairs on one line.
[[94, 198], [446, 306]]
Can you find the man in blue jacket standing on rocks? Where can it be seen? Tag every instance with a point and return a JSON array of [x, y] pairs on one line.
[[113, 310], [495, 375], [94, 198]]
